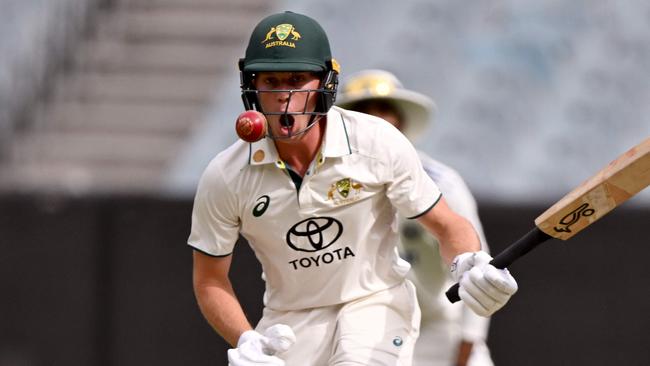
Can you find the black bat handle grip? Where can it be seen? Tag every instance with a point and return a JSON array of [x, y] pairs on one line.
[[516, 250]]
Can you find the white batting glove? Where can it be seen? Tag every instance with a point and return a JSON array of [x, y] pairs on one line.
[[255, 349], [483, 287], [280, 338]]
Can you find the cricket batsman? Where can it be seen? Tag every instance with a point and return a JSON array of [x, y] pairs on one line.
[[317, 197]]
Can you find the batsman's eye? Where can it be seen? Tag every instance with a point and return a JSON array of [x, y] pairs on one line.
[[267, 83], [296, 79], [271, 81]]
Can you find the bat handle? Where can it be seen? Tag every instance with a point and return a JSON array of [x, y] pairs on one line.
[[516, 250]]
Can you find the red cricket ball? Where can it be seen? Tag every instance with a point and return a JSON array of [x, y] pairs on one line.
[[251, 126]]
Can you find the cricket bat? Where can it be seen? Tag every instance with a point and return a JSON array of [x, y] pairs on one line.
[[624, 177]]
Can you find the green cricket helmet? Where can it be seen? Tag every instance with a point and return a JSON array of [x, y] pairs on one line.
[[286, 42]]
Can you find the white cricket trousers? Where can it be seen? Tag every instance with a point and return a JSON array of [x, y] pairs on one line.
[[377, 330], [438, 346]]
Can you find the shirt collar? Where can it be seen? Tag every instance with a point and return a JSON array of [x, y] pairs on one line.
[[337, 141], [262, 152], [335, 144]]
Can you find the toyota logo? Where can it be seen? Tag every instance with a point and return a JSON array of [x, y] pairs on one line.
[[314, 234]]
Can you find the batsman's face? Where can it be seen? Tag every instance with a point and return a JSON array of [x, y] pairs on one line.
[[287, 92]]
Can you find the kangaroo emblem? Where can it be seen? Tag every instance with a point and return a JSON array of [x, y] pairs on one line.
[[269, 35], [296, 36]]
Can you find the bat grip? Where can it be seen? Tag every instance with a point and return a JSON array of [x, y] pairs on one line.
[[516, 250]]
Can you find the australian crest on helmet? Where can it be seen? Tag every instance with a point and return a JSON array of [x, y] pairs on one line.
[[277, 36]]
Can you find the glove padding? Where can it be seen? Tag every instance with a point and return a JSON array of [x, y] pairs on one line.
[[255, 349], [483, 287]]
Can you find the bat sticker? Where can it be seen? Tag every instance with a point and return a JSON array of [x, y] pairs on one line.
[[573, 217]]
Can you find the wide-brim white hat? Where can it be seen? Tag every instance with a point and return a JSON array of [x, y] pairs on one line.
[[418, 109]]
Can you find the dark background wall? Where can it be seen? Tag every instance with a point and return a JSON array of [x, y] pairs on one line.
[[107, 281]]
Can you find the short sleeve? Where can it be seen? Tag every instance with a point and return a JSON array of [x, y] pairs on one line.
[[215, 222], [410, 189]]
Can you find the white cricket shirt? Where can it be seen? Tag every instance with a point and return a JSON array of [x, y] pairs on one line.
[[332, 240]]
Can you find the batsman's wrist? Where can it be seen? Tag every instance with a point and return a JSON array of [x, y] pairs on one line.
[[247, 336]]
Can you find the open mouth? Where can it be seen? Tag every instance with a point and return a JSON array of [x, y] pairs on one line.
[[287, 121]]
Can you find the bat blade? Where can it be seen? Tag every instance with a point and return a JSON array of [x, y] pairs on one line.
[[624, 177], [616, 183]]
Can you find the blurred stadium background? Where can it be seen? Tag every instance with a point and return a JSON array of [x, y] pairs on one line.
[[110, 110]]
